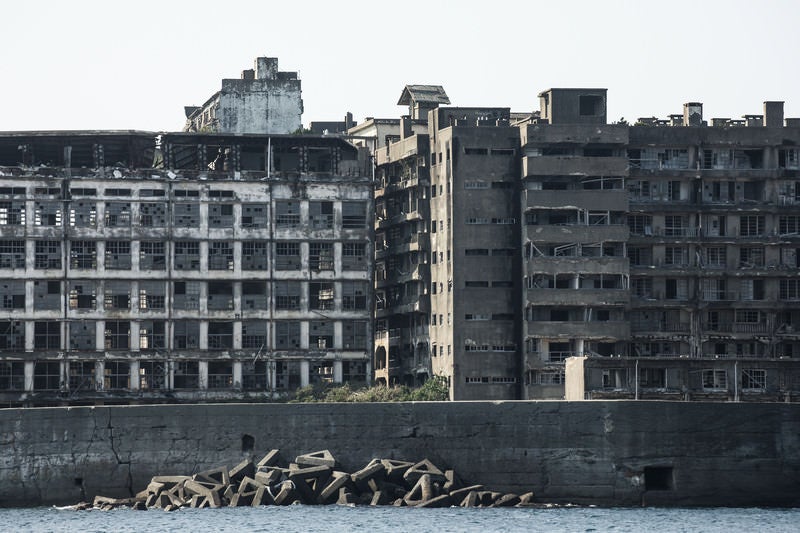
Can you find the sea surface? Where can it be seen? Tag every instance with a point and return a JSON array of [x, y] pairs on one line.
[[399, 520]]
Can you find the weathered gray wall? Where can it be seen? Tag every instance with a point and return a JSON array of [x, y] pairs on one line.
[[584, 452]]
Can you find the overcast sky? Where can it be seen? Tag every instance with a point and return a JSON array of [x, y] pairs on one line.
[[85, 64]]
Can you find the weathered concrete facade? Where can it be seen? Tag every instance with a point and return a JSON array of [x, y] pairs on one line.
[[603, 452], [663, 239], [264, 101], [181, 267]]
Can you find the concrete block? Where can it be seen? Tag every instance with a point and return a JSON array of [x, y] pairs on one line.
[[269, 477], [507, 500], [372, 471], [258, 497], [379, 498], [286, 495], [424, 467], [242, 470], [443, 500], [453, 481], [272, 458], [461, 493], [346, 497], [330, 491], [395, 469], [320, 458], [421, 492], [470, 500], [526, 499], [215, 475]]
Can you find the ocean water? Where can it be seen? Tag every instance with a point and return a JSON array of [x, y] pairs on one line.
[[399, 520]]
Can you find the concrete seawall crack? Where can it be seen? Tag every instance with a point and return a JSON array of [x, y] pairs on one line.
[[112, 444]]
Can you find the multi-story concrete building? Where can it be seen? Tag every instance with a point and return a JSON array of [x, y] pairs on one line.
[[264, 101], [563, 236], [181, 267]]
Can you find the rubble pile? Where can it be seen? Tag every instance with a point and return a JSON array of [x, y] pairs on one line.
[[313, 479]]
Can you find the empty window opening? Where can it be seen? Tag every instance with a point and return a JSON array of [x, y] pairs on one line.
[[658, 478]]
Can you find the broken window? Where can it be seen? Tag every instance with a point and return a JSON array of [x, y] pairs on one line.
[[187, 255], [83, 295], [676, 256], [152, 214], [715, 257], [81, 376], [354, 256], [320, 335], [354, 296], [82, 335], [320, 214], [118, 255], [677, 289], [220, 255], [186, 215], [220, 335], [186, 295], [751, 225], [117, 295], [255, 216], [354, 335], [152, 335], [790, 289], [152, 255], [254, 334], [653, 378], [186, 375], [715, 379], [640, 224], [118, 215], [46, 375], [47, 254], [287, 256], [288, 295], [83, 254], [640, 255], [676, 226], [752, 289], [13, 294], [354, 215], [320, 256], [12, 213], [254, 255], [152, 295], [590, 105], [47, 214], [752, 257], [12, 254], [117, 335], [754, 379], [788, 224], [220, 215], [321, 296], [287, 214], [152, 375], [186, 334], [287, 335], [47, 335], [12, 375], [254, 375], [220, 374], [254, 295], [220, 295], [642, 287], [83, 215], [12, 335], [46, 295], [117, 375]]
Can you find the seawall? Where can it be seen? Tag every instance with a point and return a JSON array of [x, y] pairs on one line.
[[599, 452]]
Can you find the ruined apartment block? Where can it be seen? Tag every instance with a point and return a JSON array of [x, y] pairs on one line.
[[653, 261], [263, 101], [181, 267]]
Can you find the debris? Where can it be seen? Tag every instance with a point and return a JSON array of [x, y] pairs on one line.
[[312, 480]]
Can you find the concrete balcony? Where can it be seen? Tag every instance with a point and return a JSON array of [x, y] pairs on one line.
[[608, 200], [591, 297], [601, 331], [574, 166], [397, 151], [577, 233], [577, 265], [578, 134]]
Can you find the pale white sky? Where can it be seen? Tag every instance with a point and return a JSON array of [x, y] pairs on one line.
[[102, 64]]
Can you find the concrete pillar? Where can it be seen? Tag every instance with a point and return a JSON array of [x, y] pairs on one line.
[[203, 374], [237, 334], [134, 382], [304, 370], [101, 256], [272, 379], [203, 340], [99, 375], [170, 377], [134, 340], [337, 371], [237, 374], [29, 375], [100, 332], [29, 328], [576, 282], [579, 347], [204, 255], [135, 255]]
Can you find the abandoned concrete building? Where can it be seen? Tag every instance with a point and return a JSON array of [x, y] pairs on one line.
[[263, 101], [506, 246], [139, 267]]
